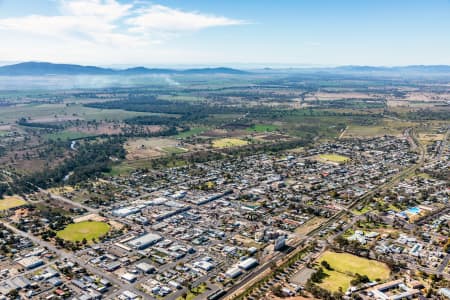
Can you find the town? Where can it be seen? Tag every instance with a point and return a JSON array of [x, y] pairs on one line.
[[281, 224]]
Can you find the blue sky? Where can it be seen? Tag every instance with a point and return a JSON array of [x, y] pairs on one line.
[[227, 32]]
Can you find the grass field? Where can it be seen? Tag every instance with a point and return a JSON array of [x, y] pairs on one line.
[[344, 267], [68, 135], [262, 128], [174, 150], [79, 231], [429, 138], [228, 142], [336, 158], [10, 202], [59, 112], [385, 127]]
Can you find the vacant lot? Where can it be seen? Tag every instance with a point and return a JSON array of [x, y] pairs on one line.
[[228, 142], [336, 158], [430, 137], [84, 230], [149, 147], [10, 202], [345, 266], [385, 127]]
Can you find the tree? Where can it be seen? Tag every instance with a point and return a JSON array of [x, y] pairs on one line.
[[326, 265]]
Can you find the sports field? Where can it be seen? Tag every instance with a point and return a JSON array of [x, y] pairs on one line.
[[9, 202], [344, 267], [79, 231], [336, 158], [228, 142]]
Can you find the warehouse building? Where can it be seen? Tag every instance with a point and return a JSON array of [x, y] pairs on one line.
[[144, 241]]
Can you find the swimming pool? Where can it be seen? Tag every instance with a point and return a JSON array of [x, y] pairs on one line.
[[413, 210]]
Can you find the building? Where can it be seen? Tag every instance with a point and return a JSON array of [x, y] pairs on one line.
[[248, 264], [393, 290], [125, 211], [145, 267], [233, 272], [144, 241], [445, 292], [280, 243], [128, 277], [30, 262]]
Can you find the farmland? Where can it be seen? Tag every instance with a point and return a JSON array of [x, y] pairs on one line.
[[228, 142]]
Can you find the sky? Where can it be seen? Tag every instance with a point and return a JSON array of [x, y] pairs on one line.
[[288, 33]]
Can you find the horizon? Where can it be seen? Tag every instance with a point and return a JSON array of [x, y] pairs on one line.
[[215, 33], [255, 66]]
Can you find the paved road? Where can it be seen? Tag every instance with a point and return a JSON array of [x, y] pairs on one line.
[[250, 277], [443, 144], [64, 254], [444, 264]]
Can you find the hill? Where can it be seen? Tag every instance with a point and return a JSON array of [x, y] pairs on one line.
[[44, 68]]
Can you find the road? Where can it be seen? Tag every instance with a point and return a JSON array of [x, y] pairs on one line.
[[253, 276], [444, 143], [70, 256]]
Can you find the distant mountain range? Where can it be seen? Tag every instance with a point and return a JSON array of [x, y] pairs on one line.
[[44, 68], [412, 68]]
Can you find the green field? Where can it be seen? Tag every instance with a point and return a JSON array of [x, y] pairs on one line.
[[68, 135], [228, 142], [174, 150], [336, 158], [11, 202], [262, 128], [47, 112], [83, 230], [344, 267]]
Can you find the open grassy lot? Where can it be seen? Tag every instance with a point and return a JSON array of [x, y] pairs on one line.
[[140, 148], [174, 150], [336, 158], [345, 265], [336, 280], [10, 202], [262, 128], [228, 142], [79, 231], [428, 138], [384, 127]]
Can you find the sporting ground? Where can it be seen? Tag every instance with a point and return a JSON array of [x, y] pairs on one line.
[[345, 266], [84, 230]]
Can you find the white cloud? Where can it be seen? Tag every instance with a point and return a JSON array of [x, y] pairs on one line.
[[106, 9], [102, 25], [166, 19]]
